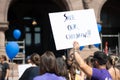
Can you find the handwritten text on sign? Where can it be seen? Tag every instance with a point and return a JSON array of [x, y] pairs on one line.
[[77, 25]]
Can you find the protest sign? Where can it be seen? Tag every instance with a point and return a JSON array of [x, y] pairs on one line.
[[70, 26]]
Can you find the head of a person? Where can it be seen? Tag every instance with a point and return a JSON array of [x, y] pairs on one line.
[[62, 67], [100, 58], [89, 60], [35, 59], [112, 61], [3, 58], [70, 58], [28, 59], [48, 63]]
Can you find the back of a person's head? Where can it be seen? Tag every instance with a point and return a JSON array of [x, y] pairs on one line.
[[113, 59], [48, 63], [101, 57], [61, 67], [35, 59], [89, 60]]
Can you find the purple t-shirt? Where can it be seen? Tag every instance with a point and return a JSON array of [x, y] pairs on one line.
[[49, 76], [100, 74]]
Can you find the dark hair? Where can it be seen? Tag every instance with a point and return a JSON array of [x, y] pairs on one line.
[[101, 57], [62, 67], [72, 65], [72, 70], [4, 57], [48, 63], [89, 60], [35, 58]]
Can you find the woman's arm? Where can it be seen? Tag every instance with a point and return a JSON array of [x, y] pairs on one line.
[[7, 74], [86, 69]]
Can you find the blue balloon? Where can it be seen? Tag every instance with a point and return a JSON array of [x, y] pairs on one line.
[[97, 45], [16, 33], [99, 27], [81, 47], [12, 49]]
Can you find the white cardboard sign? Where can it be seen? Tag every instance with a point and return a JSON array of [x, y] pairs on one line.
[[22, 68], [70, 26]]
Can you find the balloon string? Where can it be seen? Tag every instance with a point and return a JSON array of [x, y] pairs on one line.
[[12, 67]]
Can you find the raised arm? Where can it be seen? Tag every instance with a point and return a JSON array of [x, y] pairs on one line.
[[86, 69]]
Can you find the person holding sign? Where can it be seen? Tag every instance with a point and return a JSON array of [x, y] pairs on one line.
[[99, 72]]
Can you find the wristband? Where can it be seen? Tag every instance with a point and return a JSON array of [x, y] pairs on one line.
[[76, 51]]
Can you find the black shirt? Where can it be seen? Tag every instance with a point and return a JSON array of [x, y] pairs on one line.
[[30, 73]]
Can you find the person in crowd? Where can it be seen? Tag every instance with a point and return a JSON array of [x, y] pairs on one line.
[[5, 67], [48, 67], [113, 70], [28, 60], [32, 71], [89, 61], [99, 72], [62, 68], [74, 71], [0, 70]]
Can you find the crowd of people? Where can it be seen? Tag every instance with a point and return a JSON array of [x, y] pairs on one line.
[[49, 67]]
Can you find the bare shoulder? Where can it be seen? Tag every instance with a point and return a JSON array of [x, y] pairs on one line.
[[115, 73]]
